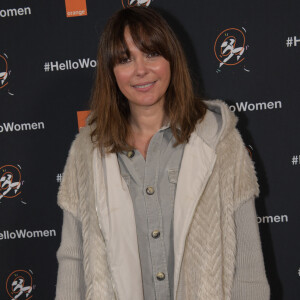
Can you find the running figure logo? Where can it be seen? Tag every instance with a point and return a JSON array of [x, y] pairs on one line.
[[130, 3], [19, 285], [5, 74], [10, 181], [230, 47]]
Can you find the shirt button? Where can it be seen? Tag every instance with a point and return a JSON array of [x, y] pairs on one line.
[[130, 154], [150, 190], [160, 276], [155, 234]]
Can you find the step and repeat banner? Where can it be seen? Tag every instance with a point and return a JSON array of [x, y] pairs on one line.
[[244, 52]]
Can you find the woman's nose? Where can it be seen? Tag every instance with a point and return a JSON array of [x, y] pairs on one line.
[[141, 67]]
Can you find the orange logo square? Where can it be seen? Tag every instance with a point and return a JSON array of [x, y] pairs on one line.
[[76, 8], [81, 118]]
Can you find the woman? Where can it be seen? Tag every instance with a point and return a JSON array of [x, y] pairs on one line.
[[158, 190]]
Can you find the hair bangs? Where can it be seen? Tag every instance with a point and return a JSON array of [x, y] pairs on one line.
[[147, 39], [118, 46]]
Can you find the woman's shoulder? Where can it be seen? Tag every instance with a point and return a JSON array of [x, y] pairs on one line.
[[83, 142], [218, 129], [76, 171], [217, 123]]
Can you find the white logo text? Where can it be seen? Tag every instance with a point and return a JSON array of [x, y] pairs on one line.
[[81, 63], [12, 126], [26, 234], [247, 106], [273, 219], [13, 12]]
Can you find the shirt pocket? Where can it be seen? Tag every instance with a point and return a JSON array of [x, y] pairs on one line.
[[173, 177]]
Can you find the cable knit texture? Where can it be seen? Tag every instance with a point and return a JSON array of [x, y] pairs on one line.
[[209, 259], [210, 251]]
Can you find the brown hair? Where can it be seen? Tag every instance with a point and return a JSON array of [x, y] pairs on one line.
[[110, 109]]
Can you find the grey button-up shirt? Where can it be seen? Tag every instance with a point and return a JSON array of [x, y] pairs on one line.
[[152, 186]]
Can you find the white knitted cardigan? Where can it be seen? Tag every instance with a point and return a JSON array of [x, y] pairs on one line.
[[209, 256]]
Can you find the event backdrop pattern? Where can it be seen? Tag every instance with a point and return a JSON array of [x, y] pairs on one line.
[[244, 52]]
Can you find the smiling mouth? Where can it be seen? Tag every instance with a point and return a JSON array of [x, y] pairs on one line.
[[142, 86]]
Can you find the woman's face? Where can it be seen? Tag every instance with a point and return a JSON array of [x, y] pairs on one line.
[[142, 78]]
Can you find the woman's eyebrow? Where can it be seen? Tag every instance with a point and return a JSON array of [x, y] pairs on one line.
[[123, 52]]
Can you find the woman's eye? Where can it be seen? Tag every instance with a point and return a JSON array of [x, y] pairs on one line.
[[124, 60], [153, 54]]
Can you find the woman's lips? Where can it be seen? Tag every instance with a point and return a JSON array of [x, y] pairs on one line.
[[144, 86]]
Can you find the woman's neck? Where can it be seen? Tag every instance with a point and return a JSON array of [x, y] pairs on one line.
[[145, 122]]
